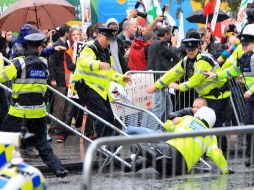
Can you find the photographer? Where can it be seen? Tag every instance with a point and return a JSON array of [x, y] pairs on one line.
[[162, 56]]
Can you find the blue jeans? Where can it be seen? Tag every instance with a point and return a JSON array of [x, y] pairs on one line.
[[162, 104], [162, 107], [131, 130]]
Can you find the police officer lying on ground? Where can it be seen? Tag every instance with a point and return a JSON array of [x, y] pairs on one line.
[[181, 154], [29, 75]]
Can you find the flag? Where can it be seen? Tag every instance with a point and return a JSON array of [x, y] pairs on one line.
[[181, 30], [209, 7], [215, 14], [153, 9], [242, 16]]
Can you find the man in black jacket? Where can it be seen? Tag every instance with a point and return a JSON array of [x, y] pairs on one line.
[[162, 56], [57, 74]]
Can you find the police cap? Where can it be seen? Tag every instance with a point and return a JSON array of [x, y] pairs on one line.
[[193, 41], [246, 39], [110, 33], [247, 34], [35, 37]]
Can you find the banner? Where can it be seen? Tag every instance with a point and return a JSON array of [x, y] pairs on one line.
[[241, 16]]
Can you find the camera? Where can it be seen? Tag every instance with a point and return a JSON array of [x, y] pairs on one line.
[[141, 14]]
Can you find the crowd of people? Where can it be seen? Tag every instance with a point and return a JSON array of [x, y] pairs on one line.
[[107, 51]]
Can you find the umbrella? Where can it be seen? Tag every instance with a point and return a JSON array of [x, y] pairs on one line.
[[198, 17], [44, 14]]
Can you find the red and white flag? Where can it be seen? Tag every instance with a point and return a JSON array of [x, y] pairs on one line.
[[215, 15]]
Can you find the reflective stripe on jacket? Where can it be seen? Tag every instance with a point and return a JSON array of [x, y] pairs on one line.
[[30, 76]]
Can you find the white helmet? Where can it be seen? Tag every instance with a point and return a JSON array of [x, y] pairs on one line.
[[206, 114], [248, 30]]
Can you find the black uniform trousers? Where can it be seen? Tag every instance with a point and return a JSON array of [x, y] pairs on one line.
[[249, 120], [39, 128], [3, 106], [96, 104], [220, 108]]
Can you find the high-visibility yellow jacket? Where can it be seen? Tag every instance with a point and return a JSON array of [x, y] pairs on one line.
[[29, 76], [237, 69], [87, 68], [198, 80], [232, 60], [192, 148]]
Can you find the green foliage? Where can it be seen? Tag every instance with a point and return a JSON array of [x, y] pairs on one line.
[[233, 5]]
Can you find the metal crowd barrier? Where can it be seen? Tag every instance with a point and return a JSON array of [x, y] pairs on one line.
[[102, 150], [138, 95], [144, 176]]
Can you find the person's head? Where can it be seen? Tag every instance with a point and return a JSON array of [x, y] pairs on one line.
[[250, 15], [8, 36], [206, 115], [105, 35], [164, 33], [112, 24], [149, 37], [197, 104], [247, 38], [74, 36], [208, 36], [25, 30], [129, 29], [64, 31], [35, 41], [231, 41], [192, 44]]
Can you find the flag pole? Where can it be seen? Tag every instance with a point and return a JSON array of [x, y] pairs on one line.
[[206, 22]]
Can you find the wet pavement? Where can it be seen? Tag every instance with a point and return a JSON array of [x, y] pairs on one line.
[[72, 154]]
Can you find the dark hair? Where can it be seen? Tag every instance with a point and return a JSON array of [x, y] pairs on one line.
[[63, 29], [189, 32], [195, 35], [162, 30], [250, 15], [231, 28]]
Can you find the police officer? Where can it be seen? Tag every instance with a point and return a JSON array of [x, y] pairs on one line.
[[244, 66], [193, 67], [183, 153], [92, 78], [215, 91], [29, 75]]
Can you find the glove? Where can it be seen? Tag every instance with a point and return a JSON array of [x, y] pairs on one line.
[[230, 171]]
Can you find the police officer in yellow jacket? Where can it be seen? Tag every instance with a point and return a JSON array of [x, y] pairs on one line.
[[178, 156], [92, 77], [193, 66], [244, 67], [215, 91], [29, 75], [191, 149]]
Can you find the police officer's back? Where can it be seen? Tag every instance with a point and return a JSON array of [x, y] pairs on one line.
[[29, 75]]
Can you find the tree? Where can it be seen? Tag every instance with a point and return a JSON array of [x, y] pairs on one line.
[[233, 5]]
